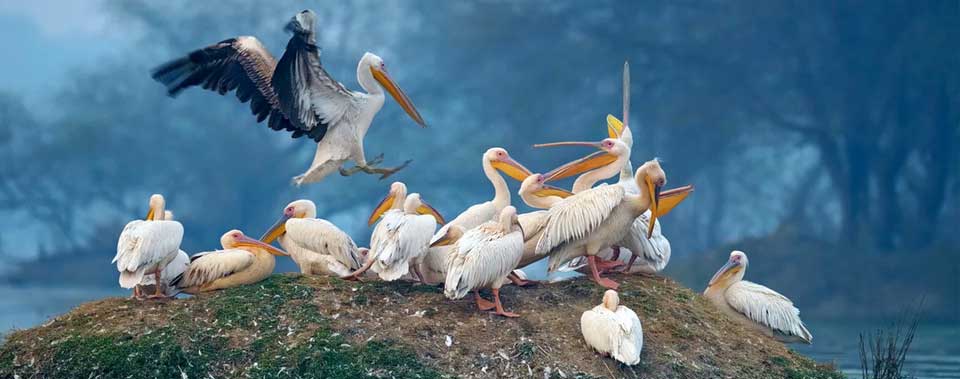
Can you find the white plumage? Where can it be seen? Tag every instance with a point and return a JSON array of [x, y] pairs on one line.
[[571, 221], [317, 246], [753, 305], [243, 260], [209, 266], [613, 329], [147, 246], [173, 269], [401, 239]]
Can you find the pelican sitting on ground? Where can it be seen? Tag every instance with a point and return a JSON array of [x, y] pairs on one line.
[[613, 329], [243, 260], [483, 257], [318, 246], [597, 218], [755, 306], [146, 247], [296, 93], [401, 239]]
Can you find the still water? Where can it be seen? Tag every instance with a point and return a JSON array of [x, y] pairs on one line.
[[935, 352]]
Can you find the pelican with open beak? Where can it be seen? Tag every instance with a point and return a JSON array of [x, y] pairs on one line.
[[613, 154], [400, 241], [243, 260]]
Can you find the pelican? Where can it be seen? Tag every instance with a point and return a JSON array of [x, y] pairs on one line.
[[147, 246], [613, 329], [483, 257], [318, 246], [434, 264], [401, 239], [600, 217], [243, 260], [536, 193], [755, 306], [172, 270], [296, 93]]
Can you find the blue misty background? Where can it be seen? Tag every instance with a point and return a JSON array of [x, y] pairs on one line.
[[822, 136]]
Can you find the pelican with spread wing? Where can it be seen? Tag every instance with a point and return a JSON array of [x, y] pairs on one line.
[[755, 306], [296, 94]]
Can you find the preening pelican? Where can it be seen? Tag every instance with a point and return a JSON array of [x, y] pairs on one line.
[[296, 93], [613, 329], [401, 239], [243, 260], [318, 246], [589, 221], [147, 246], [753, 305], [483, 257]]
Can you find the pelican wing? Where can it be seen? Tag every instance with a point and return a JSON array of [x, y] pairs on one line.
[[208, 267], [655, 250], [533, 222], [577, 216], [631, 342], [324, 237], [242, 64], [307, 94], [176, 267], [471, 218], [143, 244], [768, 308], [481, 257]]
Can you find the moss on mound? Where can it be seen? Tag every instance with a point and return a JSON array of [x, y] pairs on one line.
[[311, 327]]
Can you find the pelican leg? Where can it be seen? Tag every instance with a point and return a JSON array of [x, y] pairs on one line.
[[157, 293], [356, 275], [605, 266], [521, 282], [384, 172], [595, 274], [482, 303], [629, 264], [499, 307], [136, 292], [418, 274], [616, 253]]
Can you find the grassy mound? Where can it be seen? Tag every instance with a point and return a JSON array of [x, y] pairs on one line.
[[311, 327]]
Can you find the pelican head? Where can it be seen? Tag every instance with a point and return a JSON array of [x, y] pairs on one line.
[[372, 66], [499, 158], [168, 215], [398, 190], [610, 150], [156, 207], [298, 209], [363, 253], [509, 220], [616, 129], [651, 178], [611, 300], [535, 185], [414, 205], [235, 239], [302, 23], [732, 271], [452, 235]]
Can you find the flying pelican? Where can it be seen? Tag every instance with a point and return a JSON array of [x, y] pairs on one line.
[[755, 306], [401, 239], [613, 329], [483, 257], [600, 217], [243, 260], [296, 93], [147, 246], [318, 246]]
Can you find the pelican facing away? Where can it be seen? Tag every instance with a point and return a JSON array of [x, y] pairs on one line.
[[296, 93], [318, 246], [176, 267], [755, 306], [146, 247], [243, 260], [483, 257], [614, 329], [401, 239]]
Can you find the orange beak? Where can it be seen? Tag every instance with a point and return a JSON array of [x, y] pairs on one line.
[[512, 168], [382, 207], [250, 242], [388, 84], [549, 190], [427, 209]]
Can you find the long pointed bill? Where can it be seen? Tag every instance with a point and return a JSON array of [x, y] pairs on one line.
[[151, 214], [388, 84], [427, 209], [614, 127], [728, 267], [670, 199], [590, 162], [384, 205], [447, 239], [549, 190], [250, 242], [654, 192], [512, 168], [276, 230]]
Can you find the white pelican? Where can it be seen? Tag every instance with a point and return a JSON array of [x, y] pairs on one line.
[[147, 246], [171, 271], [494, 159], [536, 193], [434, 264], [296, 93], [483, 257], [243, 260], [613, 329], [318, 246], [401, 239], [755, 306], [597, 218]]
